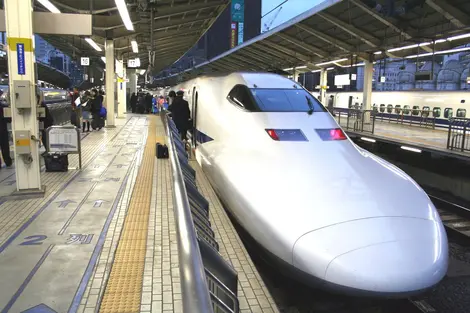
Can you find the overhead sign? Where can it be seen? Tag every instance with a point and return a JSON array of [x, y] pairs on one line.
[[382, 79], [238, 11], [233, 36], [131, 63], [21, 58], [85, 61], [342, 80]]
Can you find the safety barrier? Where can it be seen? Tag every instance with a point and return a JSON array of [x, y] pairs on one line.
[[458, 137], [355, 120], [407, 116], [208, 282]]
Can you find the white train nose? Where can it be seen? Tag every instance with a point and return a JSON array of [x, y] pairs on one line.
[[378, 255]]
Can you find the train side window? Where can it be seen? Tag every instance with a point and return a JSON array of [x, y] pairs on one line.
[[461, 112], [406, 109], [448, 112], [397, 109], [240, 95], [389, 108], [425, 112], [382, 108], [374, 107], [436, 112], [415, 110]]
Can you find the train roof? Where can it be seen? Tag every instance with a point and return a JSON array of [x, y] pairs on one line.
[[254, 80]]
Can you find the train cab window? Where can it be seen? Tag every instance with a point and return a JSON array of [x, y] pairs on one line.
[[436, 112], [448, 112], [382, 108], [397, 109], [415, 110], [389, 108], [461, 112], [406, 109], [240, 96], [286, 100]]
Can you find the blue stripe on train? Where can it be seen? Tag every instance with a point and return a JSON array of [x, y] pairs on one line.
[[202, 137]]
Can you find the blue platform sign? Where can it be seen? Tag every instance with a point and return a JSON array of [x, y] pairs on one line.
[[21, 58]]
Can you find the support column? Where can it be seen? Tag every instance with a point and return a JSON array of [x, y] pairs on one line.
[[323, 85], [110, 93], [132, 75], [121, 88], [22, 83], [296, 75], [367, 93]]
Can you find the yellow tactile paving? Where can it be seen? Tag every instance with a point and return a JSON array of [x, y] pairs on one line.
[[124, 287]]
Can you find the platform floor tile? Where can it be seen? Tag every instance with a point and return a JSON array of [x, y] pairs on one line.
[[93, 203], [253, 295]]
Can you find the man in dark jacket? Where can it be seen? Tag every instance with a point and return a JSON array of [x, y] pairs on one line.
[[133, 102], [180, 114], [4, 138]]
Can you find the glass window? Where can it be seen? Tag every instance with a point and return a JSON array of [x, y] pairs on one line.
[[406, 109], [448, 112], [415, 110], [436, 112], [240, 96], [382, 108], [425, 112], [397, 109], [461, 112], [389, 108], [286, 100]]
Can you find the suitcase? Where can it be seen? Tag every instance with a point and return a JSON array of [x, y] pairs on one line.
[[162, 151], [56, 162]]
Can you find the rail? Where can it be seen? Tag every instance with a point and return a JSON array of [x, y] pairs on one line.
[[355, 120], [407, 116], [458, 137], [208, 283]]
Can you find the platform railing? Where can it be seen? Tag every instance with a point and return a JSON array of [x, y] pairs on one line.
[[209, 284], [411, 117], [458, 137], [355, 120]]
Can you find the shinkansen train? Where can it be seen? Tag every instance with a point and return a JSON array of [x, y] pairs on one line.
[[324, 209], [411, 105]]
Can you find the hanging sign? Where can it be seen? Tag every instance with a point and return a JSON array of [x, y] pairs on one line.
[[132, 63], [233, 39], [21, 58], [85, 61], [240, 33], [238, 10]]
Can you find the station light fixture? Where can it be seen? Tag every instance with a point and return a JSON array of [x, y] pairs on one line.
[[330, 68], [126, 19], [135, 47], [438, 41], [410, 149], [292, 68], [331, 62], [438, 52], [368, 139], [378, 52], [48, 5], [93, 44]]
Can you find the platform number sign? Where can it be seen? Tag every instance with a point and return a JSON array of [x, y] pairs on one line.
[[85, 61], [132, 63]]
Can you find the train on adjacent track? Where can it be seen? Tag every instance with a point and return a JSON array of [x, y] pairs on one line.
[[325, 210], [413, 106]]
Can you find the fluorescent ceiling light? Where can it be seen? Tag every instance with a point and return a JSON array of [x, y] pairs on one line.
[[330, 68], [411, 149], [126, 19], [463, 36], [378, 52], [458, 37], [137, 62], [135, 48], [316, 71], [438, 52], [93, 44], [368, 139], [330, 62], [292, 68], [48, 5], [103, 59]]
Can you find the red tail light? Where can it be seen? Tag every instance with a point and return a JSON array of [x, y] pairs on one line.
[[337, 134], [272, 134]]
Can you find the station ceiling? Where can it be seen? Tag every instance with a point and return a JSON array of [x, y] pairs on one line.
[[177, 25], [338, 29]]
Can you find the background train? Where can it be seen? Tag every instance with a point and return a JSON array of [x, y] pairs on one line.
[[320, 206], [411, 105]]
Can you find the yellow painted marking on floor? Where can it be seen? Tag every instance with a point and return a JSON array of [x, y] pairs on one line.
[[124, 287]]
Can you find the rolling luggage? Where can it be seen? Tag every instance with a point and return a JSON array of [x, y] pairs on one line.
[[56, 162]]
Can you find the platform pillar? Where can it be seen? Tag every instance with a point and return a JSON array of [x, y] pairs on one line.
[[121, 88], [296, 75], [132, 76], [22, 83], [323, 85], [367, 93], [110, 76]]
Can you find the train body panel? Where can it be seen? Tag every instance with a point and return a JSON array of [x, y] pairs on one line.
[[300, 199]]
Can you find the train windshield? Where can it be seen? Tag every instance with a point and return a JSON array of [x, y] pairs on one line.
[[286, 100]]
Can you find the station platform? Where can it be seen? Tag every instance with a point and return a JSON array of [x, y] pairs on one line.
[[103, 238]]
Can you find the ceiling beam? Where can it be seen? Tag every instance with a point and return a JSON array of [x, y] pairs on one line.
[[454, 15], [326, 38], [307, 47], [352, 30]]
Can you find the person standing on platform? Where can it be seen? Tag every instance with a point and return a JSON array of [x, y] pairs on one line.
[[171, 98], [180, 114], [86, 110], [4, 137], [75, 115], [133, 102]]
